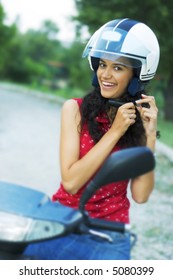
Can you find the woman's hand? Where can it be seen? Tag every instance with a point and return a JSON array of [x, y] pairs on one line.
[[125, 117], [143, 185], [148, 115]]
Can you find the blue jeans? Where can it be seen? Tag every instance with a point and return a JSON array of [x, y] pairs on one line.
[[82, 247]]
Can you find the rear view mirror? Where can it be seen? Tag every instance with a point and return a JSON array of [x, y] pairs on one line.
[[27, 215], [122, 165]]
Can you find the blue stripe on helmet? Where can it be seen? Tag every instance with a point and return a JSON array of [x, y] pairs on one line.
[[124, 24], [127, 24]]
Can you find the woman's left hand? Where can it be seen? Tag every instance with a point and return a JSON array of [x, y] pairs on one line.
[[148, 115], [149, 119]]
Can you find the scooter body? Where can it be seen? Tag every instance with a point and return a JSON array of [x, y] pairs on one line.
[[28, 216]]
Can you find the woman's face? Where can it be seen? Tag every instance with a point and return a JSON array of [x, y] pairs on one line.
[[114, 77]]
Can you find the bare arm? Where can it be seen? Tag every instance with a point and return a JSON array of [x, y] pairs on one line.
[[76, 172], [142, 186]]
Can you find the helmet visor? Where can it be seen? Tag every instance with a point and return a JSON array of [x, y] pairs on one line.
[[118, 59], [116, 45]]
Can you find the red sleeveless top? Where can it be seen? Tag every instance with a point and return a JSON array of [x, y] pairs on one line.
[[109, 202]]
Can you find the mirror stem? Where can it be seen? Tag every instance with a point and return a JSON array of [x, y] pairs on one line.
[[86, 196]]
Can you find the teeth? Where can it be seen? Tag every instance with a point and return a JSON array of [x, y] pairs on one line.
[[107, 84]]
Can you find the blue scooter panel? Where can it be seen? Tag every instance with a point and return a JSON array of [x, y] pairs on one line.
[[27, 202]]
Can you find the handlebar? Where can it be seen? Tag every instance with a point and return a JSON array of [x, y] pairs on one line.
[[42, 219], [97, 227], [108, 225]]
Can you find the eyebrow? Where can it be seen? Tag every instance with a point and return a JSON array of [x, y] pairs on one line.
[[114, 64]]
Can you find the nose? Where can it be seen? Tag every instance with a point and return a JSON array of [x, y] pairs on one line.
[[107, 73]]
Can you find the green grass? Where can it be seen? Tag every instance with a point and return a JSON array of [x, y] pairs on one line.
[[166, 131], [66, 92]]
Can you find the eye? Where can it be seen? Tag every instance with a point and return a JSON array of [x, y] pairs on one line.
[[117, 68], [102, 64]]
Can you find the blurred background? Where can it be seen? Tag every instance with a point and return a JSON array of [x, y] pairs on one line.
[[41, 44]]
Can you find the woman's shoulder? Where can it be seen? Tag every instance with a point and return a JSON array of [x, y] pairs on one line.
[[78, 100], [73, 102], [71, 107]]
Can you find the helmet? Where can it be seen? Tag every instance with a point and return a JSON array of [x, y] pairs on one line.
[[130, 42]]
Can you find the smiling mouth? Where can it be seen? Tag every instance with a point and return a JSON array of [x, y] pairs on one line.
[[108, 84]]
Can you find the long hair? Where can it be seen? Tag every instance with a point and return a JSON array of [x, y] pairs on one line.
[[94, 104]]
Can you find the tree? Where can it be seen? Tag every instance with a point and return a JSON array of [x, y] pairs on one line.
[[6, 36], [50, 29], [29, 54], [157, 14]]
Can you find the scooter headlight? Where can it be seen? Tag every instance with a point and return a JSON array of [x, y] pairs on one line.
[[24, 229]]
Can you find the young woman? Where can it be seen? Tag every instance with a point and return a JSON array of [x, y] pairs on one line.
[[124, 56]]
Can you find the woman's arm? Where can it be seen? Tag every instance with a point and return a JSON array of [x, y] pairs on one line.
[[142, 186], [76, 172]]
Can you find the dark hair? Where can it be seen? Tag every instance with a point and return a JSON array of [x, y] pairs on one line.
[[94, 104]]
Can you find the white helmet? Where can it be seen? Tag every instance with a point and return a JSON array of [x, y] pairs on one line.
[[125, 38]]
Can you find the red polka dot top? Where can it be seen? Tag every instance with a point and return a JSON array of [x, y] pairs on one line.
[[109, 202]]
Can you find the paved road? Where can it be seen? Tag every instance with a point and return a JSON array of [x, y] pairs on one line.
[[29, 141], [29, 155]]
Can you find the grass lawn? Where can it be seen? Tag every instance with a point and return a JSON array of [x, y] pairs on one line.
[[166, 131]]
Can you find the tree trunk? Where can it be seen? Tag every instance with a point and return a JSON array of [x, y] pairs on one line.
[[168, 108]]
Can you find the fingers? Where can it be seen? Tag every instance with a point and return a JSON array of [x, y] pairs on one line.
[[128, 105], [149, 111], [148, 114], [132, 116], [146, 99], [125, 117], [129, 109], [128, 113]]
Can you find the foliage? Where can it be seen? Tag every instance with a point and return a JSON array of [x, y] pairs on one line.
[[79, 71], [165, 128], [29, 54], [7, 34], [37, 57], [157, 14]]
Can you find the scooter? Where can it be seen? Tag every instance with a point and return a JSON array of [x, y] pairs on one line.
[[28, 216]]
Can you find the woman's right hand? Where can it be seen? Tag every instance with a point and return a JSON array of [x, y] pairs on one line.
[[125, 117]]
